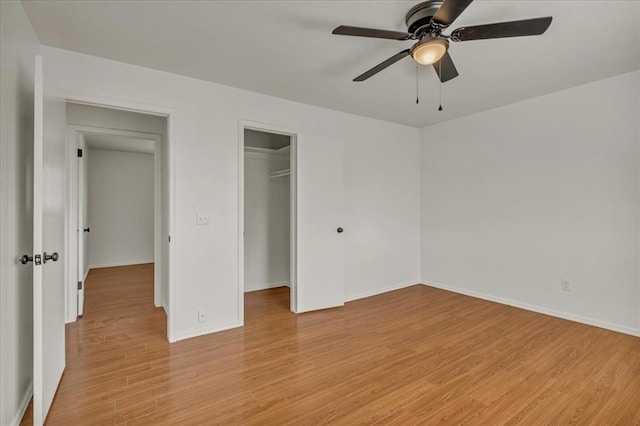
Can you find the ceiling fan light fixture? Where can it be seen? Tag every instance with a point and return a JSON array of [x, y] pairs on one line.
[[429, 50]]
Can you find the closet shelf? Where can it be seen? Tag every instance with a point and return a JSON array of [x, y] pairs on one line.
[[279, 173]]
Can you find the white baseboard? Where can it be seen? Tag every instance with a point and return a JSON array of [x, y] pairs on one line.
[[23, 406], [201, 332], [126, 263], [377, 291], [268, 286], [86, 273], [539, 309]]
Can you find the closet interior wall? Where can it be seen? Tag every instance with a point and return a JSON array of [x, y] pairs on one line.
[[267, 222]]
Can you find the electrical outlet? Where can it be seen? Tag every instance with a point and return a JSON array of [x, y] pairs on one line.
[[202, 219], [201, 316], [565, 285]]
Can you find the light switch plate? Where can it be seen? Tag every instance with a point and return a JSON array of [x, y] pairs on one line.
[[202, 219]]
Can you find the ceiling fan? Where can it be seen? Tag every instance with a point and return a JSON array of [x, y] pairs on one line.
[[425, 23]]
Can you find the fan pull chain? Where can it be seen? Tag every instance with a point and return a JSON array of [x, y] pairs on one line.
[[417, 92], [440, 87]]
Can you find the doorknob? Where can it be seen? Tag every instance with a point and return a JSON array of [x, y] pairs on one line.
[[26, 259], [53, 256], [86, 230], [340, 230]]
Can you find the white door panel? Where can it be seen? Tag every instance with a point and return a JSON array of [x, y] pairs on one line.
[[48, 239], [83, 224], [320, 212]]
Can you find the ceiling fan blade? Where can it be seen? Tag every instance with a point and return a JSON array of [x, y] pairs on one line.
[[445, 68], [375, 70], [449, 11], [370, 32], [526, 27]]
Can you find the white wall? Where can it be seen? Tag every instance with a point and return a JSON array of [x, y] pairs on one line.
[[18, 47], [381, 181], [121, 208], [266, 223], [89, 115], [518, 198]]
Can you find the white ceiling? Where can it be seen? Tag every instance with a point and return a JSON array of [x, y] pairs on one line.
[[118, 143], [285, 49]]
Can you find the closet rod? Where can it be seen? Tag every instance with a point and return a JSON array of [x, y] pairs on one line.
[[279, 173]]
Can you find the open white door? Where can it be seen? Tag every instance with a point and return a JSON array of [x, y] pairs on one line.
[[48, 244], [319, 222], [83, 226]]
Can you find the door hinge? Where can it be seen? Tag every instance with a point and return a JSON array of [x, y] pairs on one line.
[[79, 153], [169, 238], [37, 259], [79, 285]]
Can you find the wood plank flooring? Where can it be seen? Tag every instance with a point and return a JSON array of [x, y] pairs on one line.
[[417, 355]]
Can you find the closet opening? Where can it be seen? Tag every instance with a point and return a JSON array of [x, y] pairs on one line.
[[267, 276]]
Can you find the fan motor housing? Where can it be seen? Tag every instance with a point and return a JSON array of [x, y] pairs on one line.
[[420, 15]]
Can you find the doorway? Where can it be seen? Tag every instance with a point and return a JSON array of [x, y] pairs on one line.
[[118, 198], [316, 213], [267, 213]]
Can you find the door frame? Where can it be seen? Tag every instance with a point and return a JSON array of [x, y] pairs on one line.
[[171, 116], [293, 212], [74, 133]]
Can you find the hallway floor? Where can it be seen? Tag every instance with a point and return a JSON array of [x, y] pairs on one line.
[[416, 355]]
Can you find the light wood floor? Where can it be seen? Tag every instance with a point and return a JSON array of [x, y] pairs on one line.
[[417, 355]]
